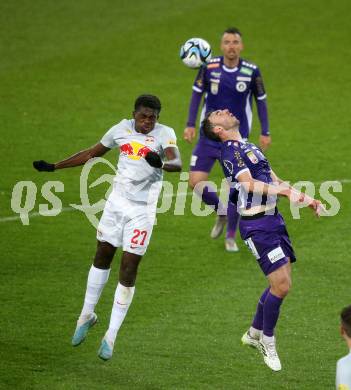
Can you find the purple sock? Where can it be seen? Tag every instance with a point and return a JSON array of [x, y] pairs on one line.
[[257, 322], [233, 220], [210, 197], [271, 309]]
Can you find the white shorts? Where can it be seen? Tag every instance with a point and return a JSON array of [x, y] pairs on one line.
[[127, 224]]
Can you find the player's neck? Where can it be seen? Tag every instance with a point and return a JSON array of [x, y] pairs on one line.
[[231, 135], [231, 63], [142, 131]]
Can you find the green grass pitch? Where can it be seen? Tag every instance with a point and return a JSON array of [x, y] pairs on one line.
[[70, 70]]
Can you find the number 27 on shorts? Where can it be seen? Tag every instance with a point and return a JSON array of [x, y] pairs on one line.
[[139, 237]]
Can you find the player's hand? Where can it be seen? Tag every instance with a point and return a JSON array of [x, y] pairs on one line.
[[154, 160], [318, 208], [314, 204], [42, 165], [189, 134], [265, 141]]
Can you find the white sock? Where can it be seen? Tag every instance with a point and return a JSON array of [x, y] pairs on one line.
[[268, 339], [97, 279], [255, 333], [123, 299]]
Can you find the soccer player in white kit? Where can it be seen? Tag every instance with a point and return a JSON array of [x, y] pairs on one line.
[[343, 367], [146, 148]]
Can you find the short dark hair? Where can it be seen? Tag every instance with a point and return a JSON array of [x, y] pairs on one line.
[[345, 316], [232, 30], [150, 101], [207, 128]]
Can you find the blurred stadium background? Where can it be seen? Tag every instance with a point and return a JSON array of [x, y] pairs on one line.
[[68, 72]]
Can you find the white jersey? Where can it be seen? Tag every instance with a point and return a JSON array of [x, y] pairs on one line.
[[136, 179], [343, 373]]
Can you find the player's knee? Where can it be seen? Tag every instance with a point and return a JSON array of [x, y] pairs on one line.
[[192, 182], [104, 255], [284, 287], [284, 291], [281, 287]]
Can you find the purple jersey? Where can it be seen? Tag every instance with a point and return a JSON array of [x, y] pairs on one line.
[[230, 88], [264, 232], [238, 157]]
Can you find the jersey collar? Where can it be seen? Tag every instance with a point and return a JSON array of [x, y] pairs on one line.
[[230, 70]]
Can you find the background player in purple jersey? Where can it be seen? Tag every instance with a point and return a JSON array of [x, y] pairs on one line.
[[261, 225], [227, 82]]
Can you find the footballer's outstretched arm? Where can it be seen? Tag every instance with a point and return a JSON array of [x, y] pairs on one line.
[[77, 159], [280, 188], [290, 192], [297, 196], [174, 161]]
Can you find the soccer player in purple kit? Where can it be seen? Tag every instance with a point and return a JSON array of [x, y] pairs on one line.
[[261, 226], [228, 82]]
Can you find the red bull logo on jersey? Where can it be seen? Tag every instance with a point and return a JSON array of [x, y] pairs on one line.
[[134, 150]]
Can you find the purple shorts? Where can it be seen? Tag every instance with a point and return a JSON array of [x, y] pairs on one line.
[[204, 155], [268, 240]]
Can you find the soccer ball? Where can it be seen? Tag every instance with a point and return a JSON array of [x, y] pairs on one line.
[[195, 52]]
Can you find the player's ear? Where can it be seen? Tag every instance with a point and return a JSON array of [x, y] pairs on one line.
[[217, 129], [342, 330]]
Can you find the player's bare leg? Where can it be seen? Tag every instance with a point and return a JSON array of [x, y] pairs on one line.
[[122, 300], [104, 255], [280, 281], [97, 278], [280, 284], [198, 182]]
